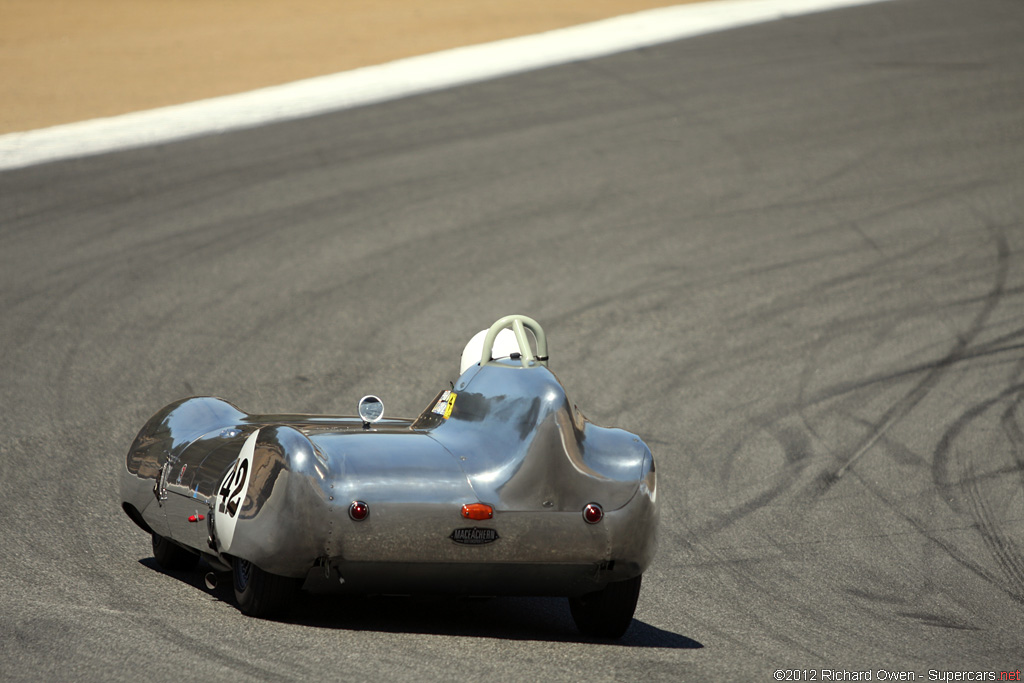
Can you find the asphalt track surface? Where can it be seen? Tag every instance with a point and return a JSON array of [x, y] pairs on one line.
[[788, 255]]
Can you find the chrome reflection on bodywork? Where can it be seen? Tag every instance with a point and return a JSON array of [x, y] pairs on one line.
[[507, 450]]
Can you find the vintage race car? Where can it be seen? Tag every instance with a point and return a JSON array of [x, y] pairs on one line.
[[500, 487]]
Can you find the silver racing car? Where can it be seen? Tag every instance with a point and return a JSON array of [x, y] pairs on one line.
[[500, 487]]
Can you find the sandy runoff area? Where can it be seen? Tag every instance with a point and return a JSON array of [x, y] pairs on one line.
[[70, 60]]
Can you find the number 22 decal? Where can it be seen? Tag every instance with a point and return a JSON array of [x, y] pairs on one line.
[[231, 494]]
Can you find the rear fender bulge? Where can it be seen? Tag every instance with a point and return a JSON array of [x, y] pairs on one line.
[[278, 519], [173, 428], [160, 444], [634, 527]]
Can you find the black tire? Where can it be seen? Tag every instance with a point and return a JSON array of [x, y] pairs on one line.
[[260, 593], [173, 557], [606, 613]]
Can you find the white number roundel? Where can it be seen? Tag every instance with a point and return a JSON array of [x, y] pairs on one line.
[[231, 493]]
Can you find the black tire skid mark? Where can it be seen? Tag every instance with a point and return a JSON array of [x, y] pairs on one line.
[[1004, 550], [931, 378], [797, 456], [1001, 546], [941, 475], [1006, 553], [210, 650], [1014, 434], [991, 348], [934, 370], [948, 548]]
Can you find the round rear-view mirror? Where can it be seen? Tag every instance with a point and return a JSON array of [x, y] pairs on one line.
[[371, 409]]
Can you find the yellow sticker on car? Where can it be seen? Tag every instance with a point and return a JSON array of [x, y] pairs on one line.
[[451, 404], [444, 404]]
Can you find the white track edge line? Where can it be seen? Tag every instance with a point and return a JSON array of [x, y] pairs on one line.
[[393, 80]]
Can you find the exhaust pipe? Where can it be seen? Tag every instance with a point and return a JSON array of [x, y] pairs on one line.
[[211, 581]]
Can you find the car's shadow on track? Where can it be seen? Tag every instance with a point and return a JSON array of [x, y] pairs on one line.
[[506, 618], [546, 619]]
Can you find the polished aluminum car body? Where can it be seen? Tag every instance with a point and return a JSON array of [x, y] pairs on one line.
[[500, 487]]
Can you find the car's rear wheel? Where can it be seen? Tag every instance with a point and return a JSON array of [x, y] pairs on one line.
[[260, 593], [606, 613], [173, 557]]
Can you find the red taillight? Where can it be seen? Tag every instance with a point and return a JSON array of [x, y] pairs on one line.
[[358, 510], [593, 513], [477, 511]]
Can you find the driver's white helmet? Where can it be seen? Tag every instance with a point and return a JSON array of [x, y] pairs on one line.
[[505, 344]]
